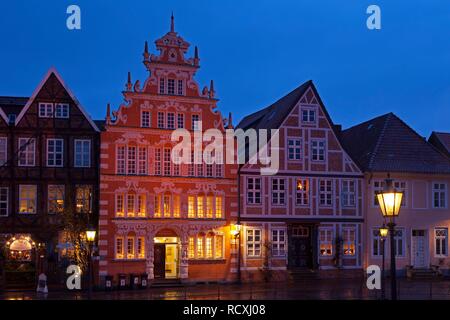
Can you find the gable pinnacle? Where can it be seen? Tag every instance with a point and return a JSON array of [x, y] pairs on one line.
[[172, 23], [129, 85], [146, 55]]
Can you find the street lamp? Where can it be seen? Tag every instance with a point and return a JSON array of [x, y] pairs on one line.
[[390, 201], [383, 234], [236, 232], [90, 236]]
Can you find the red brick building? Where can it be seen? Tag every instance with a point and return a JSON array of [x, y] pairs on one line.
[[170, 221], [309, 216]]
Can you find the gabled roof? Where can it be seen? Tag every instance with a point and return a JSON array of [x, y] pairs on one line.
[[387, 144], [72, 96], [441, 140], [11, 105]]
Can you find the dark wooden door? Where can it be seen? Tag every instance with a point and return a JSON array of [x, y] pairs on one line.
[[300, 250], [159, 261]]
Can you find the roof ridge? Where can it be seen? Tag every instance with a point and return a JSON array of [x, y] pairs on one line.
[[380, 137]]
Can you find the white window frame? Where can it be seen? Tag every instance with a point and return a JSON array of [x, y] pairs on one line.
[[82, 164], [348, 196], [160, 120], [171, 86], [310, 111], [32, 186], [277, 243], [142, 160], [443, 240], [162, 86], [54, 153], [379, 243], [347, 231], [403, 238], [302, 197], [253, 243], [194, 123], [294, 149], [146, 120], [3, 150], [30, 143], [316, 150], [170, 121], [180, 121], [441, 193], [62, 110], [278, 194], [132, 163], [121, 160], [328, 240], [328, 194], [4, 202], [46, 109]]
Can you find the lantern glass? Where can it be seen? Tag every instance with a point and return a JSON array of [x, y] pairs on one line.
[[90, 235], [235, 229], [383, 232], [390, 203]]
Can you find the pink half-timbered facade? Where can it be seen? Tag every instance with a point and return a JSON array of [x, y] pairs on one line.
[[309, 216]]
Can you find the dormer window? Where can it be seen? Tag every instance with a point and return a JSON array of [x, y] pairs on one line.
[[62, 110], [171, 86], [12, 118]]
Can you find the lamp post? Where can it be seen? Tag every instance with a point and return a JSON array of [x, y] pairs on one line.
[[90, 236], [383, 234], [390, 201], [236, 232]]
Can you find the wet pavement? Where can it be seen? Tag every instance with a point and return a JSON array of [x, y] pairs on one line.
[[323, 289]]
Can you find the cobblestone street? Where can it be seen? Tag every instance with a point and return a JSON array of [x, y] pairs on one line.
[[314, 290]]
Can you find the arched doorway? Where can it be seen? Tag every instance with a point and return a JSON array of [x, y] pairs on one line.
[[21, 262], [166, 255]]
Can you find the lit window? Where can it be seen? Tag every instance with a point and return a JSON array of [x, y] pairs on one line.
[[191, 207], [27, 198], [130, 205], [83, 153], [141, 210], [160, 120], [176, 206], [278, 242], [200, 248], [130, 248], [62, 110], [209, 206], [326, 241], [191, 248], [142, 166], [218, 253], [219, 207], [439, 195], [84, 199], [253, 190], [157, 206], [119, 205], [171, 86], [4, 202], [55, 198], [441, 242], [318, 150], [200, 212], [45, 110], [326, 193], [349, 241], [294, 149], [27, 148], [170, 120], [253, 242], [209, 247], [3, 150], [145, 119], [348, 193], [121, 160], [119, 248], [167, 205], [302, 192], [55, 152], [141, 247], [131, 160], [278, 191]]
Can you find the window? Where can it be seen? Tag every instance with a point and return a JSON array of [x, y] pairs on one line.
[[278, 191], [62, 110], [441, 241], [3, 202], [83, 153], [253, 242], [157, 162], [120, 212], [218, 254], [308, 115], [195, 122], [176, 205], [379, 186], [167, 205], [209, 246], [199, 161], [253, 190], [326, 193], [131, 205], [326, 241], [209, 206], [180, 120], [219, 203], [209, 170], [318, 150], [121, 160], [200, 207], [12, 119], [84, 199], [176, 164], [200, 248], [191, 248], [45, 110], [160, 120], [130, 247], [401, 186], [171, 86], [191, 207], [377, 243], [27, 148], [294, 149], [141, 206], [278, 242], [180, 87], [170, 120], [145, 119], [142, 165], [439, 195], [348, 193], [349, 241], [131, 163], [167, 162], [302, 192], [27, 198], [55, 198], [219, 170], [399, 242], [3, 150], [55, 152], [191, 169], [141, 247], [157, 212], [119, 248], [161, 85]]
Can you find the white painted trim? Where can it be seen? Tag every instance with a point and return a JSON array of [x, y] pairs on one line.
[[62, 153], [38, 89], [34, 151], [75, 152]]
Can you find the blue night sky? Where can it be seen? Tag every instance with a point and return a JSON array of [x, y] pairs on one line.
[[256, 51]]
